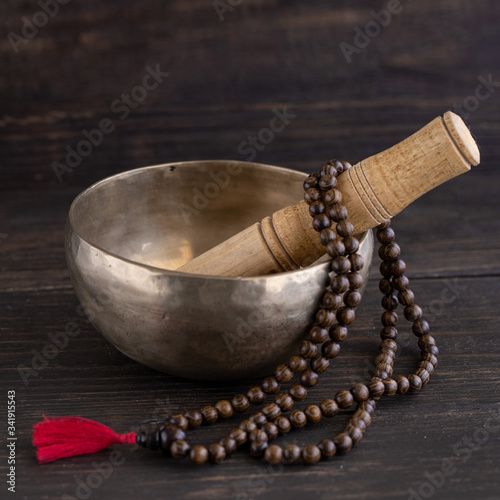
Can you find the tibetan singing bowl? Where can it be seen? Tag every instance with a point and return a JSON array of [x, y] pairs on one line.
[[126, 235]]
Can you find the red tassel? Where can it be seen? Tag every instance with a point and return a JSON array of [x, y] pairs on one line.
[[63, 437]]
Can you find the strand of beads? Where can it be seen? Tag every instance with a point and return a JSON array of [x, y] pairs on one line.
[[335, 313]]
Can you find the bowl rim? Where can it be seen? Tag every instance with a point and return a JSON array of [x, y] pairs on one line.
[[71, 225]]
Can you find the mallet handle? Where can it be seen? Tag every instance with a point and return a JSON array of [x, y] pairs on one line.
[[374, 190]]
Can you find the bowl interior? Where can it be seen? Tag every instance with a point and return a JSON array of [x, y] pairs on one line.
[[166, 215]]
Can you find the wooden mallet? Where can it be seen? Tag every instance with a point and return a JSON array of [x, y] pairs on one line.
[[373, 191]]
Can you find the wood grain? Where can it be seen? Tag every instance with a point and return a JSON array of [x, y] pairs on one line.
[[225, 80]]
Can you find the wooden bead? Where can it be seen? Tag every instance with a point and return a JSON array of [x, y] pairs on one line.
[[327, 182], [426, 366], [330, 349], [258, 419], [431, 359], [317, 208], [352, 298], [256, 395], [342, 265], [284, 401], [198, 454], [351, 245], [209, 414], [291, 454], [327, 235], [283, 374], [239, 436], [343, 443], [368, 406], [248, 425], [257, 435], [406, 297], [271, 411], [224, 409], [389, 344], [355, 280], [298, 418], [346, 315], [332, 300], [321, 222], [338, 212], [424, 375], [339, 284], [390, 387], [376, 388], [329, 408], [312, 195], [257, 448], [385, 269], [357, 262], [389, 252], [385, 286], [389, 302], [298, 363], [297, 391], [270, 385], [358, 422], [335, 248], [320, 364], [325, 318], [307, 349], [356, 435], [153, 442], [344, 228], [311, 182], [229, 445], [426, 341], [383, 359], [332, 196], [308, 378], [389, 333], [413, 313], [386, 236], [338, 333], [273, 454], [389, 318], [360, 392], [420, 327], [216, 453], [180, 421], [283, 424], [194, 418], [271, 430], [403, 384], [167, 434], [313, 414], [415, 382], [180, 449], [398, 267], [400, 283], [327, 448], [364, 416], [344, 399], [311, 454]]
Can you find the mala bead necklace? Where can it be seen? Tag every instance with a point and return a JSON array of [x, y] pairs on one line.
[[58, 438]]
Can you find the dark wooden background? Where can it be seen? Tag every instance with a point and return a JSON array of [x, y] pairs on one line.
[[225, 77]]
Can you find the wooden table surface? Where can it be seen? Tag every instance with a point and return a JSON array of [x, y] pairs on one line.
[[229, 64]]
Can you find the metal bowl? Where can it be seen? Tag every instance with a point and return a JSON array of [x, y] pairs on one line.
[[126, 235]]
